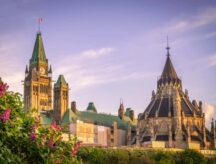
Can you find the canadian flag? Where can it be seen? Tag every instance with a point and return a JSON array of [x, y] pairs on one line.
[[40, 20]]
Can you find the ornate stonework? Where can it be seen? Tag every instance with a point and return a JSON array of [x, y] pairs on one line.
[[38, 80], [171, 117]]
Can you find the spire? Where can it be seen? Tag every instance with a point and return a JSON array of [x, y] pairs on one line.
[[169, 70], [38, 55], [50, 69], [212, 126], [168, 48], [121, 110], [61, 80], [26, 70]]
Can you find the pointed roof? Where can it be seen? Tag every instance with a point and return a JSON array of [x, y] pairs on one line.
[[61, 80], [169, 70], [38, 54], [26, 71]]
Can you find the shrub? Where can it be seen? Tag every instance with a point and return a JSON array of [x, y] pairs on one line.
[[211, 160], [162, 157], [24, 140], [192, 156], [141, 160], [118, 156]]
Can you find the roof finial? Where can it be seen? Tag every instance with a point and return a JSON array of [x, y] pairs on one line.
[[121, 101], [168, 48], [39, 23]]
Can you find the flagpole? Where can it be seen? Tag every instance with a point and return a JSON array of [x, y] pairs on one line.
[[39, 24]]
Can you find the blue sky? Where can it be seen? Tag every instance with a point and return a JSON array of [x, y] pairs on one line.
[[112, 49]]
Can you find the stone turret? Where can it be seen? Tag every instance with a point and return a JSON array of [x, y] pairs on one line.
[[73, 106], [121, 111], [61, 97], [204, 130], [131, 115], [213, 133]]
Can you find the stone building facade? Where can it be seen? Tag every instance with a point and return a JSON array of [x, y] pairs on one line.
[[52, 103], [171, 119]]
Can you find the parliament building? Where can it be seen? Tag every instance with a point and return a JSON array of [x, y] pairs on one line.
[[171, 120]]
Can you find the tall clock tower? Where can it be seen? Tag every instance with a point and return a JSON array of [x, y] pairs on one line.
[[38, 79]]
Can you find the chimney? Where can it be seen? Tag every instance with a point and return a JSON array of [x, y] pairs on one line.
[[73, 106]]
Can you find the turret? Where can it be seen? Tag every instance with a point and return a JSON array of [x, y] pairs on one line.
[[121, 111], [213, 133], [50, 71], [26, 71], [73, 106], [61, 97], [213, 128], [91, 107], [131, 115], [200, 106]]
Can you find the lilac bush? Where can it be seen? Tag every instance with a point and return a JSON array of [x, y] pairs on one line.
[[24, 140]]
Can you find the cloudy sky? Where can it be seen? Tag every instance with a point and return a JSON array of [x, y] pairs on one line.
[[109, 49]]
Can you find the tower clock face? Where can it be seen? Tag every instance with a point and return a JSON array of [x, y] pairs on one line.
[[42, 70]]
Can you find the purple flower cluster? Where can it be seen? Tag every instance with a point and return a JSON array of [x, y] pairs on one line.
[[6, 115], [53, 125], [51, 142], [76, 147], [33, 136], [3, 88]]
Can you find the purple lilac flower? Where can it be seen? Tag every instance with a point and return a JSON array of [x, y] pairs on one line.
[[3, 88], [51, 142], [76, 147], [5, 116], [53, 124], [33, 136]]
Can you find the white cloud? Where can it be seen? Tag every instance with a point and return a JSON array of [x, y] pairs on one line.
[[81, 72], [210, 112], [95, 53], [206, 17]]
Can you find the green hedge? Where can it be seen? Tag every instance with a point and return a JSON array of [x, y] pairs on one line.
[[91, 155]]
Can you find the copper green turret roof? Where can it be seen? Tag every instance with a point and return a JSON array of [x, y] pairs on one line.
[[169, 70], [38, 55], [61, 80], [91, 107]]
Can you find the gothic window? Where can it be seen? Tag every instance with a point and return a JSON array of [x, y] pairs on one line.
[[41, 88]]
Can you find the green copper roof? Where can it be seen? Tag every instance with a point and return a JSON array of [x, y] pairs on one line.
[[91, 107], [38, 55], [61, 80], [127, 113], [68, 117], [97, 118], [45, 120]]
